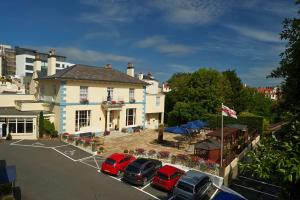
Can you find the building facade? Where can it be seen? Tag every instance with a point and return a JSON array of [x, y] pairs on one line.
[[83, 98]]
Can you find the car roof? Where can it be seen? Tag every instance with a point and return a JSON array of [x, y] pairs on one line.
[[168, 170], [193, 177], [140, 161], [117, 156]]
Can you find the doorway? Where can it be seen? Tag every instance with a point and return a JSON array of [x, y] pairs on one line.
[[3, 130]]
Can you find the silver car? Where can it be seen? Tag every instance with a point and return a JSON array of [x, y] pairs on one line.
[[191, 186]]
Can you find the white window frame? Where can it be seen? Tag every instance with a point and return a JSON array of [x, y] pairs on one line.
[[131, 94], [157, 100], [82, 115], [17, 121], [84, 92], [133, 116]]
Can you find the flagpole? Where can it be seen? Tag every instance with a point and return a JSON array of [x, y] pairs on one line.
[[221, 162]]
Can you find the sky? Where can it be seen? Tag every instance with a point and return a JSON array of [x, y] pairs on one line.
[[162, 37]]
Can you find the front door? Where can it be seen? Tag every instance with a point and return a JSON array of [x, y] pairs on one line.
[[3, 131]]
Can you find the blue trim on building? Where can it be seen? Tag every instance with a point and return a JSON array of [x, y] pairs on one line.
[[64, 103], [144, 108], [62, 106]]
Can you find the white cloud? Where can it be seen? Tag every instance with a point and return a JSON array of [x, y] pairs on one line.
[[256, 76], [176, 49], [180, 68], [112, 11], [91, 56], [151, 41], [256, 34], [175, 11], [192, 11], [163, 45]]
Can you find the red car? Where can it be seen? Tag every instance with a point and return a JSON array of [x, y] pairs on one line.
[[166, 177], [116, 163]]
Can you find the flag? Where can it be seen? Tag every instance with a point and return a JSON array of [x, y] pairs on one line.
[[228, 112]]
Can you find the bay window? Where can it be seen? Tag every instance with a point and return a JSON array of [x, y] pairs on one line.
[[82, 119], [130, 116]]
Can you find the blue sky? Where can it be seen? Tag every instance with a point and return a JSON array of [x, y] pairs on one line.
[[158, 36]]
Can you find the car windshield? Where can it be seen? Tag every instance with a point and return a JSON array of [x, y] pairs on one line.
[[132, 168], [110, 161], [162, 176], [185, 186]]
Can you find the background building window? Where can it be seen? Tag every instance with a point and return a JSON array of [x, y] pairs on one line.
[[82, 119], [29, 60], [157, 100], [83, 93], [28, 67], [57, 65], [131, 94], [28, 74], [130, 116]]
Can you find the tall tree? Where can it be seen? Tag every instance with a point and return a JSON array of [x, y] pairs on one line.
[[289, 68], [236, 87], [279, 158]]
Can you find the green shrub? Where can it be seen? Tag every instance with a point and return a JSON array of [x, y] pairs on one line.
[[9, 137], [49, 128]]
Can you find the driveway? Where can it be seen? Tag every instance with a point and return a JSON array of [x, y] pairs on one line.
[[53, 170]]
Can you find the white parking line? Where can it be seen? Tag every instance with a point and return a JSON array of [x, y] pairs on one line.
[[256, 190], [85, 158], [155, 197], [260, 181], [146, 186], [16, 142], [62, 146], [118, 179], [214, 194], [88, 165], [96, 162], [63, 154], [27, 145]]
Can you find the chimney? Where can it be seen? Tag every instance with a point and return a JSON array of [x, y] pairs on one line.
[[108, 66], [130, 69], [37, 64], [51, 63], [141, 76]]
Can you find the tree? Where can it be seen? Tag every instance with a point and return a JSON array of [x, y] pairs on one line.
[[236, 85], [41, 124], [278, 157], [289, 68]]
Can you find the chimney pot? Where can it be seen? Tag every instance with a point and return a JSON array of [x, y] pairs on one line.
[[108, 66]]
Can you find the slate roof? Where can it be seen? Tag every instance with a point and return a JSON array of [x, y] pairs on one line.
[[85, 72], [12, 111]]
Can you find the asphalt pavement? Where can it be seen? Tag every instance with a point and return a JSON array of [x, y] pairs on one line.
[[51, 170]]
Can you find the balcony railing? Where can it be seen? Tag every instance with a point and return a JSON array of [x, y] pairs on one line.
[[112, 102], [47, 98], [84, 101]]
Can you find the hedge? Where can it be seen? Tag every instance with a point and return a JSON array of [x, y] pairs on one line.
[[252, 122]]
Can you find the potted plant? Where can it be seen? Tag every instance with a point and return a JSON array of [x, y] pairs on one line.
[[101, 150]]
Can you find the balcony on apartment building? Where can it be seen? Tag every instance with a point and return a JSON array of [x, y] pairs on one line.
[[112, 103]]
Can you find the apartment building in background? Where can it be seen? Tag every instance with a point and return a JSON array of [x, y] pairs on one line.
[[83, 98], [25, 58], [7, 60], [19, 61]]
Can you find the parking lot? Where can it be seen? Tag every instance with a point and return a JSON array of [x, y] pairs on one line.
[[55, 170]]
